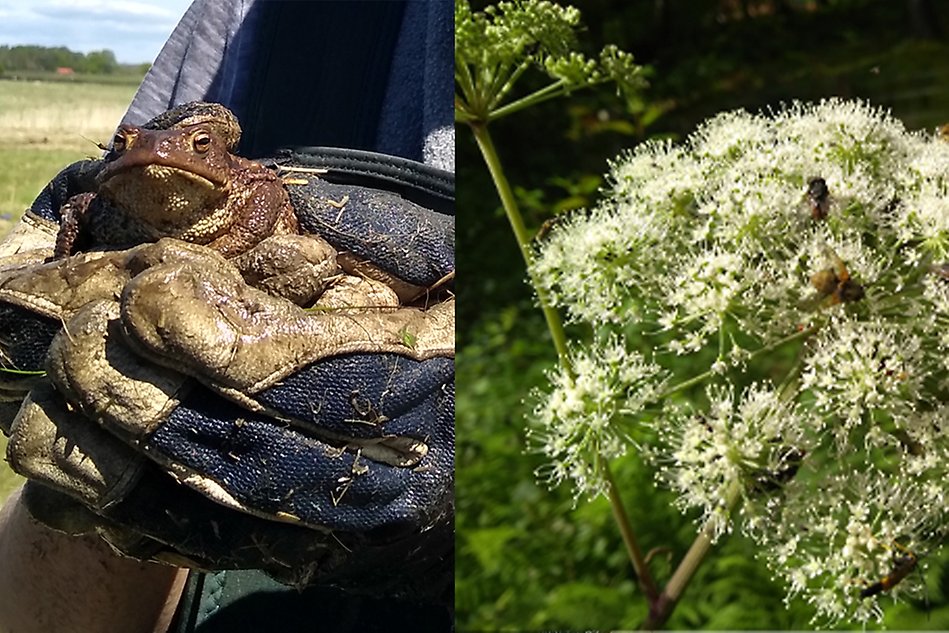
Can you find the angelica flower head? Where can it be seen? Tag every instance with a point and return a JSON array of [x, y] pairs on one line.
[[734, 445], [581, 421], [789, 273]]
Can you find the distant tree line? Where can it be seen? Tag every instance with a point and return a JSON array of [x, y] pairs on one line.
[[46, 59]]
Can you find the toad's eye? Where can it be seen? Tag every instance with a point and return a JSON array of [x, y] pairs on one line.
[[201, 142]]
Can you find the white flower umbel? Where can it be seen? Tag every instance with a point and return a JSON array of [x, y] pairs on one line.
[[750, 446], [583, 419], [806, 249], [865, 368]]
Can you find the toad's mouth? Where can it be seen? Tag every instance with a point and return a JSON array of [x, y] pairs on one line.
[[166, 200], [155, 175]]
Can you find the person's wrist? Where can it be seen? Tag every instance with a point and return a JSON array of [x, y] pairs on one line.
[[50, 581]]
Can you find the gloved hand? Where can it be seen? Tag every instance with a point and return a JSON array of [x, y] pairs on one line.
[[197, 420]]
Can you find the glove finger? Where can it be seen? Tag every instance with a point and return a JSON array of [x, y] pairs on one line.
[[240, 340], [311, 471], [36, 297], [56, 289], [52, 445]]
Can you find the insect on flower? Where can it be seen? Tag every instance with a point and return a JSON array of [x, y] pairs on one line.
[[835, 283], [903, 564], [818, 198], [790, 461]]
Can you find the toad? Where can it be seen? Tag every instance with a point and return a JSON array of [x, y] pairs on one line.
[[180, 182]]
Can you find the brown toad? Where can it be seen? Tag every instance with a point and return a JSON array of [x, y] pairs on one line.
[[180, 182]]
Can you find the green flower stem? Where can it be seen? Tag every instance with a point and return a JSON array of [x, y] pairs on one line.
[[661, 608], [646, 582], [486, 145], [705, 375], [464, 79], [501, 92], [551, 91]]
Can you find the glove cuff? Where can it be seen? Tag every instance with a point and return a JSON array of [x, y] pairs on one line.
[[423, 184]]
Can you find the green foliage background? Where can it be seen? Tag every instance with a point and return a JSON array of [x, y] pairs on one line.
[[527, 558]]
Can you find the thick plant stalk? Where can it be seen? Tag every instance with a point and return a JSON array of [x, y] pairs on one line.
[[661, 608], [646, 582], [486, 145]]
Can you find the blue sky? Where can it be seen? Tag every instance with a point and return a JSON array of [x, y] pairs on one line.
[[134, 30]]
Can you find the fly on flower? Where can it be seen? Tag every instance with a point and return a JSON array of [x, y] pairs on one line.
[[550, 224], [818, 198], [834, 284], [790, 461]]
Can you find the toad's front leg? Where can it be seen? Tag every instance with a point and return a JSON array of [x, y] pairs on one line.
[[73, 212], [258, 207]]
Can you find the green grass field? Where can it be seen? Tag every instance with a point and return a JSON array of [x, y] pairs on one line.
[[44, 126]]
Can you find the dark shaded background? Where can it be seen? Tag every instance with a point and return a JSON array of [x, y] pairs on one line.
[[526, 558]]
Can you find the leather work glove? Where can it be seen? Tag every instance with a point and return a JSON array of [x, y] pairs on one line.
[[190, 410]]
